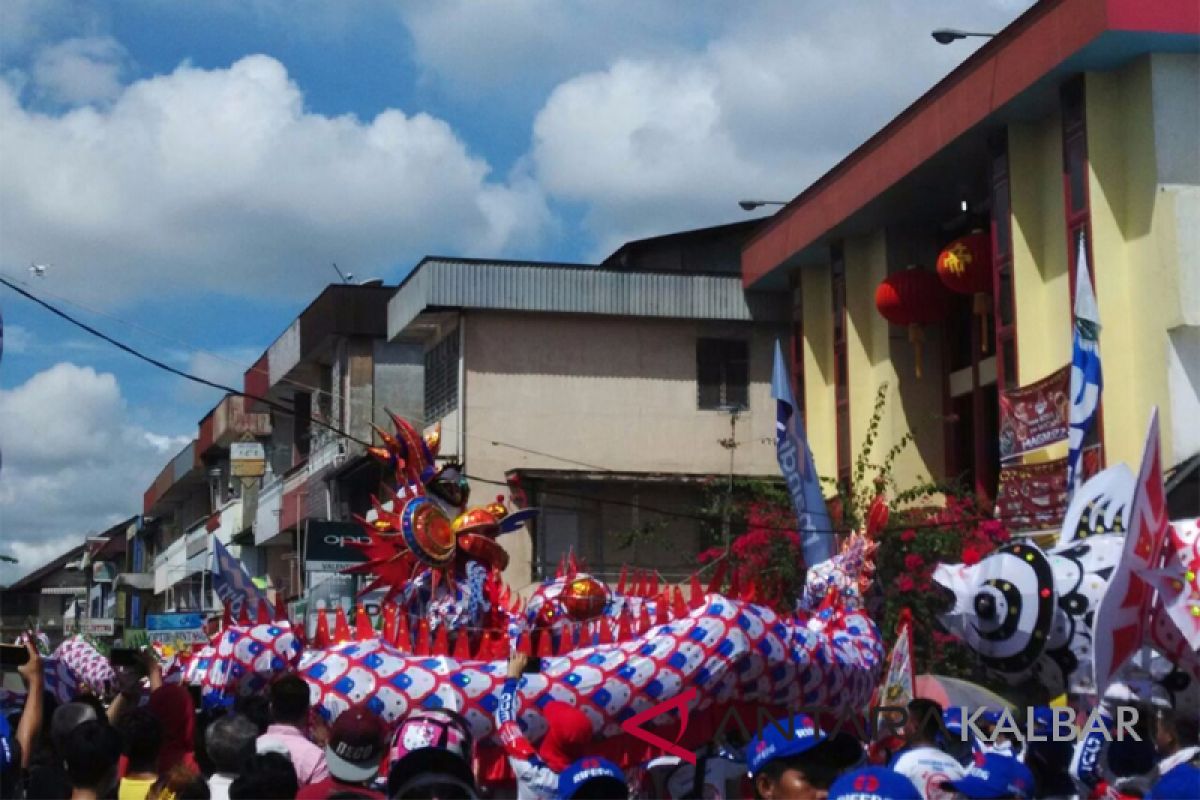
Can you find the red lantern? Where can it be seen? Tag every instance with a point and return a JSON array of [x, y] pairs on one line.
[[912, 297], [965, 267]]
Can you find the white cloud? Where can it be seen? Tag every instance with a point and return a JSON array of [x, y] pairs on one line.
[[74, 461], [651, 144], [226, 367], [522, 48], [80, 70], [17, 339], [222, 180]]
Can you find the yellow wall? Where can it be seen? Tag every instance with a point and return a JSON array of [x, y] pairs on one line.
[[820, 417], [879, 353], [1041, 283], [1136, 278]]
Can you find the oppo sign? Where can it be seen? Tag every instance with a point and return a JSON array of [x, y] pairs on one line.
[[332, 546]]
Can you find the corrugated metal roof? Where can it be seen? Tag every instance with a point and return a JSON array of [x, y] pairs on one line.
[[577, 289]]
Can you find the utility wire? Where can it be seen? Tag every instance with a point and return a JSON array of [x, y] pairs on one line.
[[283, 409]]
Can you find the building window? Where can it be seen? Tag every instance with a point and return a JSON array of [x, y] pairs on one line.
[[441, 378], [723, 373], [841, 365]]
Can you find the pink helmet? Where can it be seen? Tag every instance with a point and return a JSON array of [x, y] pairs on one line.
[[431, 741]]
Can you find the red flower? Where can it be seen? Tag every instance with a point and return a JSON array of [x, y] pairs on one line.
[[905, 583], [971, 555], [908, 535], [913, 562]]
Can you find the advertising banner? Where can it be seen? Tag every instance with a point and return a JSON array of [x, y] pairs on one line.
[[176, 629], [1034, 416], [330, 546], [1033, 496], [98, 626]]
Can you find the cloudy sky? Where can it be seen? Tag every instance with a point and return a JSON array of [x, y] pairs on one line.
[[190, 170]]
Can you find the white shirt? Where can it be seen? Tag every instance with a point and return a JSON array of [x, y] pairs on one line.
[[1171, 762], [218, 786], [928, 768]]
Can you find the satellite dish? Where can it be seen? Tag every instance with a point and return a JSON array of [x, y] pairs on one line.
[[372, 282]]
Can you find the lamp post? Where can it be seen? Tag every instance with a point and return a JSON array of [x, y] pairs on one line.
[[750, 205], [948, 35]]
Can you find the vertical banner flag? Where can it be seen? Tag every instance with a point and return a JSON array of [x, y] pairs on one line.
[[898, 684], [1086, 378], [796, 464], [1123, 617], [231, 583]]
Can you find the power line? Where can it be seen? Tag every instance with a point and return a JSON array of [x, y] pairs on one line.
[[316, 390], [275, 405]]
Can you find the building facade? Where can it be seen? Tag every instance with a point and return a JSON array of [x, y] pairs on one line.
[[613, 397], [1074, 131]]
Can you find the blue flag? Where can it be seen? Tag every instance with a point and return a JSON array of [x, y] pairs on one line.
[[1087, 380], [231, 583], [796, 464]]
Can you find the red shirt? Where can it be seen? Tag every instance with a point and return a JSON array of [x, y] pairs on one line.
[[331, 786]]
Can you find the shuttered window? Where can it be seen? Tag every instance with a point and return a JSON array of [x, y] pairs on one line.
[[441, 378], [723, 373]]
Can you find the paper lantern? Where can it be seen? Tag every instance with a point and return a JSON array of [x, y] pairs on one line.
[[965, 267], [913, 297]]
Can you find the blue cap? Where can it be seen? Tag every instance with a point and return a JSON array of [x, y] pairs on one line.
[[1043, 719], [1182, 781], [873, 783], [586, 770], [783, 738], [994, 775]]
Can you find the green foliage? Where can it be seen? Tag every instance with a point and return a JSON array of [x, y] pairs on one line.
[[930, 522]]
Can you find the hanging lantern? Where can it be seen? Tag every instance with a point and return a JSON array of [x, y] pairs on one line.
[[965, 267], [912, 297]]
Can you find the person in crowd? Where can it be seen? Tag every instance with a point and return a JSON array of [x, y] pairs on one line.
[[181, 783], [958, 741], [10, 761], [287, 732], [873, 783], [430, 757], [994, 776], [92, 750], [257, 709], [266, 776], [357, 744], [569, 734], [172, 704], [922, 761], [719, 772], [20, 737], [141, 738], [592, 778], [1049, 763], [230, 743], [793, 759], [48, 777], [1183, 781], [1177, 739]]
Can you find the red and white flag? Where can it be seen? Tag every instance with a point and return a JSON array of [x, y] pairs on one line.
[[1123, 617]]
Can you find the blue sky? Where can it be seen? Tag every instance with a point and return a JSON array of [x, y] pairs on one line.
[[189, 170]]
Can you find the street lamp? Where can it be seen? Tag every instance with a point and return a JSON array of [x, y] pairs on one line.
[[948, 35], [750, 205]]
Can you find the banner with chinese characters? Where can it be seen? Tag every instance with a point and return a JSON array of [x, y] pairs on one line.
[[1034, 416], [1033, 496]]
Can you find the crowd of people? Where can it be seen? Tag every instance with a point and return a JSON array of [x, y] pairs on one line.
[[158, 745]]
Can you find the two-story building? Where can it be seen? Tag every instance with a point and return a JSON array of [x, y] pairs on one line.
[[1074, 130], [613, 397]]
